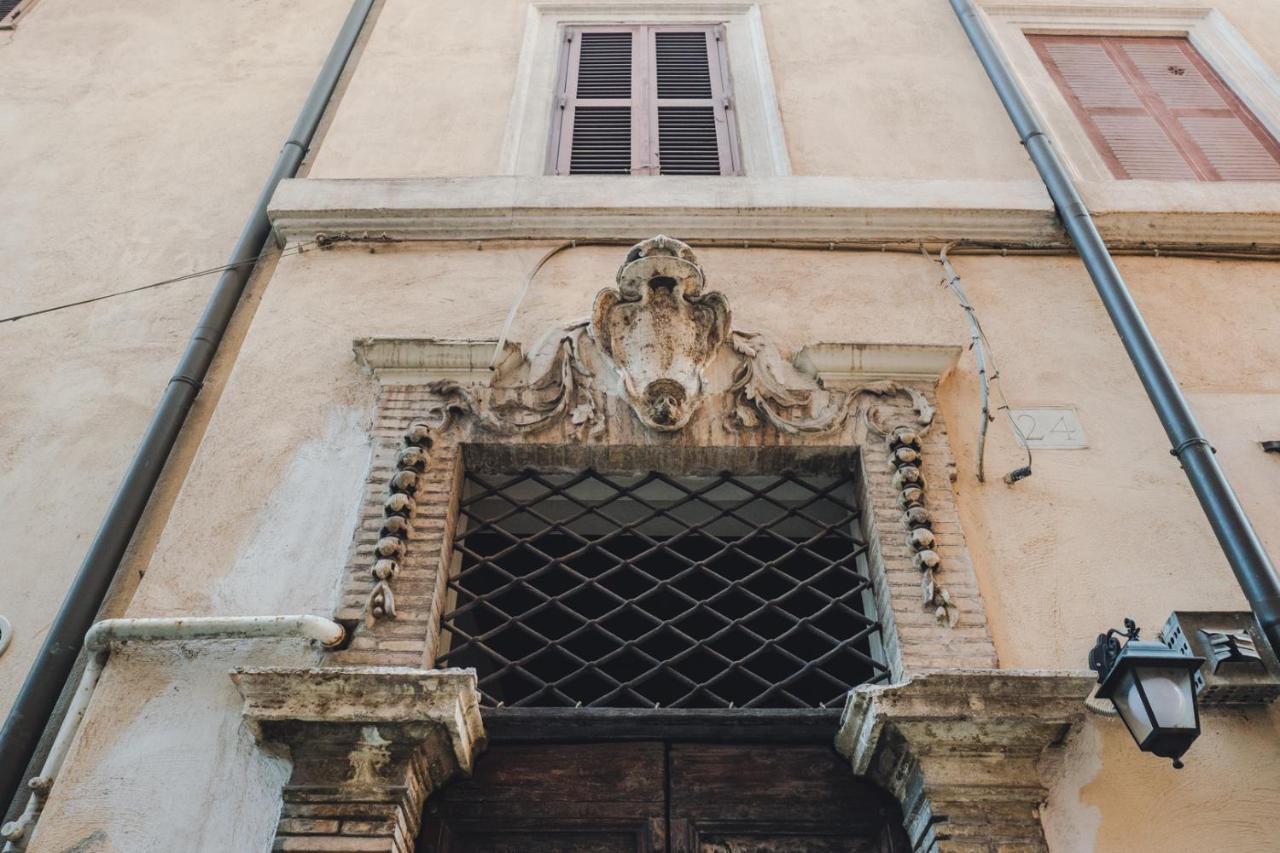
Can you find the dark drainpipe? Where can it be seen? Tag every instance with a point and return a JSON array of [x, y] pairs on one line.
[[1253, 568], [57, 656]]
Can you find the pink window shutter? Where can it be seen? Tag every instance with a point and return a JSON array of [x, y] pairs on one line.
[[1155, 110]]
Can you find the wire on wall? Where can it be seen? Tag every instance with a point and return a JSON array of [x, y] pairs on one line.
[[984, 356], [293, 250]]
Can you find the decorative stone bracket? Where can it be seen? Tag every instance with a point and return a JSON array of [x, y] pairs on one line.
[[960, 749], [368, 744]]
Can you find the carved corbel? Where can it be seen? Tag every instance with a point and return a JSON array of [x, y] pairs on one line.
[[368, 746], [960, 750]]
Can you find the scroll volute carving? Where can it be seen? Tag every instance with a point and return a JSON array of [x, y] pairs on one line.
[[660, 330]]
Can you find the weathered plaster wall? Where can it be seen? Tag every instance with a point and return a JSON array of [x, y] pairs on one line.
[[1108, 796], [137, 135], [873, 88], [1110, 528], [172, 95]]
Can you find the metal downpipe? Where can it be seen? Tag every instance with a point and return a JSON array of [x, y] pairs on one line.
[[1253, 569], [56, 658]]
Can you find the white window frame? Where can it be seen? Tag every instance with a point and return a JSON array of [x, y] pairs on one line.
[[1208, 31], [10, 21], [763, 149]]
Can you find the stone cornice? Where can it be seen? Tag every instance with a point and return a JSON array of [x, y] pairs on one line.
[[712, 208], [366, 695], [784, 209], [412, 361]]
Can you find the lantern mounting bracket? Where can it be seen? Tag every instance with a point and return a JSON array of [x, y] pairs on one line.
[[1107, 649]]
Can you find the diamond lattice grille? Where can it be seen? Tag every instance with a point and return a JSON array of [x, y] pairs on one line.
[[646, 591]]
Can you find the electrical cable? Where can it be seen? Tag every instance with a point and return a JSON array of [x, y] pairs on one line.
[[515, 306], [984, 354], [295, 250]]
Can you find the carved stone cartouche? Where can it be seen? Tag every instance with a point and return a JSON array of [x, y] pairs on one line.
[[660, 330]]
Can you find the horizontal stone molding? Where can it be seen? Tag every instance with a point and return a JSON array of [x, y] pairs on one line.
[[411, 361], [785, 209], [960, 749]]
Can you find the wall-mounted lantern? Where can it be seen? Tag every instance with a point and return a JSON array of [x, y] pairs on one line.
[[1151, 687]]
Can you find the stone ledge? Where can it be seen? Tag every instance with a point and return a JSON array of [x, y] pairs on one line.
[[621, 207], [368, 744], [960, 749], [416, 361], [786, 209]]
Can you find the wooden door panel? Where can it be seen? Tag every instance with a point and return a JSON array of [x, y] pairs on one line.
[[554, 798], [651, 797], [551, 840], [762, 798]]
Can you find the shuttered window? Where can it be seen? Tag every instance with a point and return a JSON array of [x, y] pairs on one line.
[[644, 100], [10, 10], [1157, 111]]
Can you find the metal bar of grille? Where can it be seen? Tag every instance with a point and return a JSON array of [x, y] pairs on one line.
[[650, 590]]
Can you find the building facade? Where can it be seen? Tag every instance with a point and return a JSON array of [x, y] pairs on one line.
[[694, 414]]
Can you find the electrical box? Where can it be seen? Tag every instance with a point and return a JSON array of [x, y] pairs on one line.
[[1240, 667]]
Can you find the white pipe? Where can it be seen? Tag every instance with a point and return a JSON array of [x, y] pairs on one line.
[[97, 643]]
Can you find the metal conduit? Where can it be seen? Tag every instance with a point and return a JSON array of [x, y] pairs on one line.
[[1253, 568], [56, 658], [97, 643]]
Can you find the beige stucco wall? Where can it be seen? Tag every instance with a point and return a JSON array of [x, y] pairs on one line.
[[872, 88], [184, 128], [1092, 536], [137, 135]]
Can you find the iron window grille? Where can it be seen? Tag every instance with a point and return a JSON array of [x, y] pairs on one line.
[[654, 591]]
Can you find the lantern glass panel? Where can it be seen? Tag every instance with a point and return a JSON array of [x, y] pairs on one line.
[[1170, 694], [1128, 701]]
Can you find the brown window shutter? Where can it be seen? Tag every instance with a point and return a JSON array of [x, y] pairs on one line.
[[7, 7], [600, 103], [1155, 110], [644, 100], [690, 112]]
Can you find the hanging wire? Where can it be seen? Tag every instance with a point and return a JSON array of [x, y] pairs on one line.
[[524, 290], [295, 250], [984, 355]]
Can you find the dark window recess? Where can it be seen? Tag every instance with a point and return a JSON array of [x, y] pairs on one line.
[[652, 591], [662, 797], [644, 100]]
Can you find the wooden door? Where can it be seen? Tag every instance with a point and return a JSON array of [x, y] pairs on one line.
[[554, 798], [765, 798], [656, 797]]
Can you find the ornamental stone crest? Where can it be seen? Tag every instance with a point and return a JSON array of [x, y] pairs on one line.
[[659, 330], [664, 344]]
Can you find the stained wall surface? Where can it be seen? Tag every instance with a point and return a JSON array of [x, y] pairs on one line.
[[265, 515], [137, 136]]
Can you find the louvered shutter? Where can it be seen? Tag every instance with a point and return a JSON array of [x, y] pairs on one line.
[[7, 7], [602, 104], [1155, 110], [689, 114], [644, 100]]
